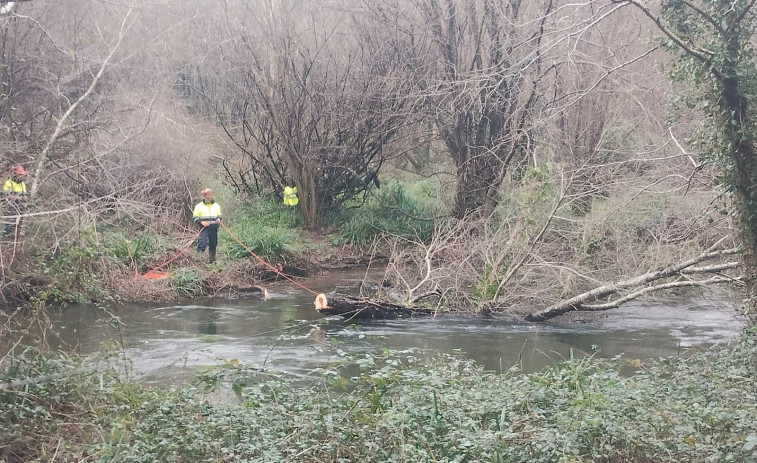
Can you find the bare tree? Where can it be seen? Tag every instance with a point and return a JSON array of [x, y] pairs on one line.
[[310, 101], [483, 91], [71, 112], [714, 42]]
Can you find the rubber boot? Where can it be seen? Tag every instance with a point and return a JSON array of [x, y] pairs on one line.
[[211, 256], [200, 255]]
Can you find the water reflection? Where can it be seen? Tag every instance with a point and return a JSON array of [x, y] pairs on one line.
[[169, 342], [208, 319]]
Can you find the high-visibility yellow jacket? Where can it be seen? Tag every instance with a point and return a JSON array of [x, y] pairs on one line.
[[206, 211], [290, 196], [11, 187]]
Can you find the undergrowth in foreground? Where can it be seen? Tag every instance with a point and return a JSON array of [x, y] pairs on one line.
[[397, 409]]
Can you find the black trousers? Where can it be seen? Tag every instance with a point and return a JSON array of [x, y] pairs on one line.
[[208, 238]]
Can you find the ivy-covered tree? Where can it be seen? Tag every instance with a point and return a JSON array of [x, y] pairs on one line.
[[715, 48]]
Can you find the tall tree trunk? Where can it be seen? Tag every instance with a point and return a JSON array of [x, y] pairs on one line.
[[308, 195], [737, 124], [477, 184]]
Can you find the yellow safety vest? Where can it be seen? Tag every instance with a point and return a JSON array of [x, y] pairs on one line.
[[290, 196], [205, 211], [14, 187]]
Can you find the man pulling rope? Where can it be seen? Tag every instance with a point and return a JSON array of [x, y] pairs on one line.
[[207, 214]]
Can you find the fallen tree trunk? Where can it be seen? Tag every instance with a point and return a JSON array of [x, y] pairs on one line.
[[351, 307], [590, 300]]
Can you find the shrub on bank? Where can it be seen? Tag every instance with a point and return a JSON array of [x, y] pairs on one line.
[[398, 209], [268, 229], [397, 408], [186, 281]]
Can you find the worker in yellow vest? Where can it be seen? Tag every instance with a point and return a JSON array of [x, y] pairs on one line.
[[14, 197], [207, 214], [290, 196]]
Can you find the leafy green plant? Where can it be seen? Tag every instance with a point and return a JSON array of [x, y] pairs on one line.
[[389, 407], [73, 271], [267, 228], [393, 211], [135, 251], [186, 281], [488, 284], [590, 248], [265, 212], [267, 242]]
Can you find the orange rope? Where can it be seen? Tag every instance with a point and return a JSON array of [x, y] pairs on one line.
[[182, 251], [264, 262], [131, 257]]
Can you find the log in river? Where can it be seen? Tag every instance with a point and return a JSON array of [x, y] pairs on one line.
[[351, 307]]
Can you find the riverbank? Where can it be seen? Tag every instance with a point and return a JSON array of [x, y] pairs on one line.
[[121, 273], [395, 408], [231, 278], [497, 264]]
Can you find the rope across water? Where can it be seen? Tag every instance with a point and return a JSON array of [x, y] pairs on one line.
[[320, 300], [278, 272]]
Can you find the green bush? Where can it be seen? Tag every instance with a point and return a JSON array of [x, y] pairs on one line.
[[267, 242], [265, 212], [74, 271], [267, 228], [396, 408], [397, 209], [390, 407], [136, 251], [186, 281]]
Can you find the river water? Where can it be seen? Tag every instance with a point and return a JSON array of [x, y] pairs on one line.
[[169, 342]]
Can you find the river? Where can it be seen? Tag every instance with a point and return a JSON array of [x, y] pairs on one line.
[[169, 342]]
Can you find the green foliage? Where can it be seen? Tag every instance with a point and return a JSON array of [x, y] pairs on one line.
[[716, 58], [186, 281], [393, 407], [136, 251], [269, 213], [590, 249], [267, 228], [73, 271], [398, 209], [537, 193], [41, 393], [267, 242], [486, 288]]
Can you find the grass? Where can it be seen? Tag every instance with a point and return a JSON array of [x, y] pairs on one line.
[[130, 251], [272, 230], [185, 281], [398, 209], [268, 229], [402, 209]]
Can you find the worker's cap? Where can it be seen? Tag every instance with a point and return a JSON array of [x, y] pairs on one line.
[[205, 191], [19, 169]]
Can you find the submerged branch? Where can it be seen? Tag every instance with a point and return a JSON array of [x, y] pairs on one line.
[[578, 302], [649, 289]]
